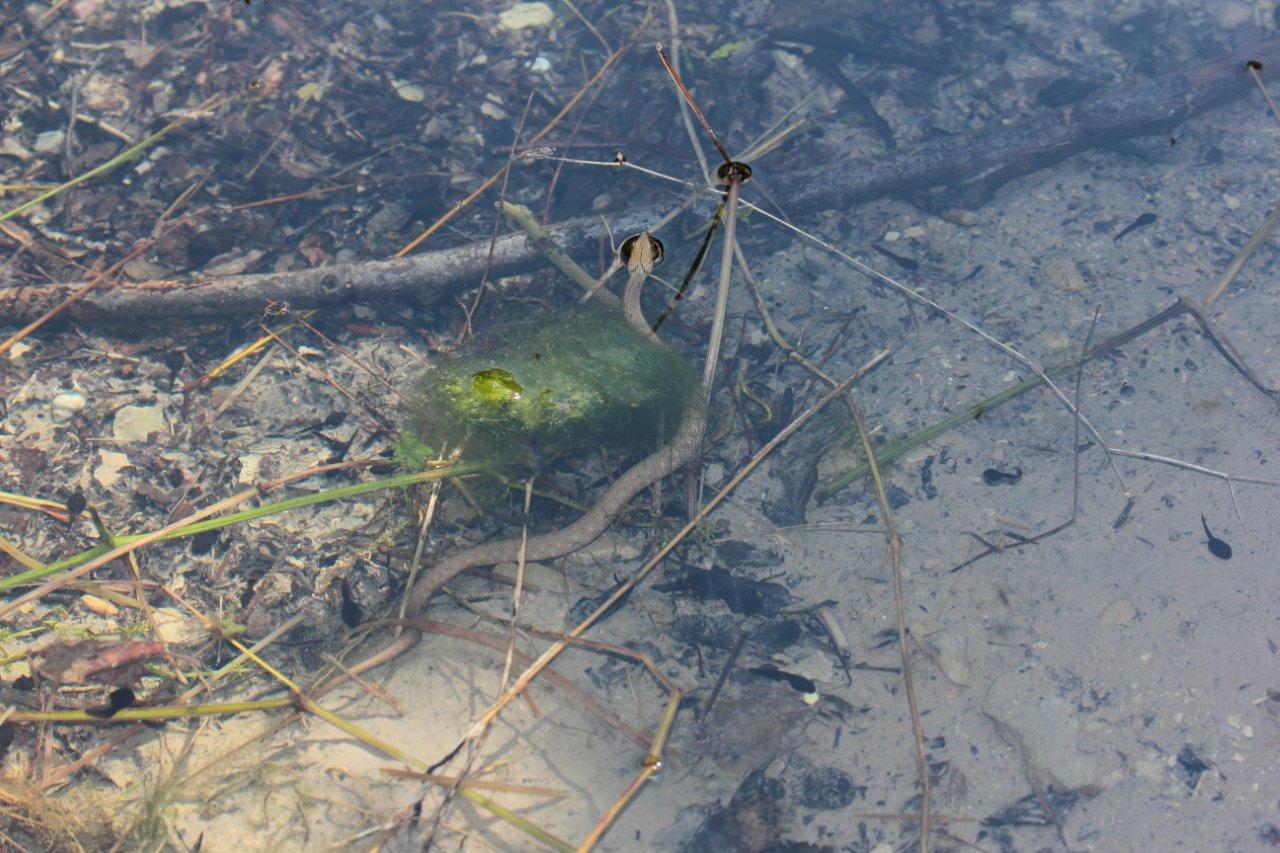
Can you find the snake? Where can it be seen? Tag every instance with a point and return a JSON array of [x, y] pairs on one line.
[[679, 451]]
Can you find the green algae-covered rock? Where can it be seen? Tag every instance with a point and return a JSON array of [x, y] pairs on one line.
[[579, 378]]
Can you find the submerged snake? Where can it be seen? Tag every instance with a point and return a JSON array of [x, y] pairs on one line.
[[681, 450]]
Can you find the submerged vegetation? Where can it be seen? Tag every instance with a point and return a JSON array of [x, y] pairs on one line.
[[577, 379], [555, 381]]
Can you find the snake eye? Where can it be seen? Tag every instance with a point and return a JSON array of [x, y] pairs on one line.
[[624, 251]]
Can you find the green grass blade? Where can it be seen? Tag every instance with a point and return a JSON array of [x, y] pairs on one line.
[[341, 492], [123, 157]]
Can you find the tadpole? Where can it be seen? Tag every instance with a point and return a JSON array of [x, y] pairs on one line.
[[1217, 547], [798, 683], [1141, 221], [994, 476], [352, 615], [120, 698], [76, 504]]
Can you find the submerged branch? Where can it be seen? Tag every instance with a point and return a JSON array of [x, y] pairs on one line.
[[961, 170]]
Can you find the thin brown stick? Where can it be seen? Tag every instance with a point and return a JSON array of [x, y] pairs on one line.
[[427, 516], [722, 287], [74, 296], [554, 651], [518, 588], [895, 559], [995, 154], [1191, 466], [584, 698], [673, 28], [609, 62], [1075, 471], [466, 330], [1254, 67], [378, 376], [479, 785], [377, 421], [1233, 269], [724, 676], [693, 105]]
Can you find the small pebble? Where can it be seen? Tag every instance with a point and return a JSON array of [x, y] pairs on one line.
[[1232, 14], [961, 217], [137, 423], [892, 236], [250, 465], [915, 232], [66, 406], [1063, 274], [107, 474], [99, 605], [1119, 612], [103, 93], [411, 92], [49, 142], [1231, 201], [1056, 340], [524, 15], [493, 111]]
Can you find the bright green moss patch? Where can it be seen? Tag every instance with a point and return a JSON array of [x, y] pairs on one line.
[[580, 379], [496, 385]]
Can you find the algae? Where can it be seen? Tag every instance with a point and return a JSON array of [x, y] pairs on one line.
[[580, 378]]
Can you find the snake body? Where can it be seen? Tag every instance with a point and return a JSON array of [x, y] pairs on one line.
[[666, 460], [678, 452]]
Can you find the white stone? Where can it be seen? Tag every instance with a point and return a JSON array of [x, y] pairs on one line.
[[1119, 612], [410, 92], [1064, 274], [1030, 715], [107, 474], [137, 423], [953, 655], [522, 16], [250, 465], [1232, 14], [64, 407], [49, 142], [493, 111], [811, 663], [176, 628]]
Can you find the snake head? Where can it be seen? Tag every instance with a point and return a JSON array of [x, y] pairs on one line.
[[642, 251]]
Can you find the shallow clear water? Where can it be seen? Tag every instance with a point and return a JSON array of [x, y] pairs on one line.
[[982, 191]]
